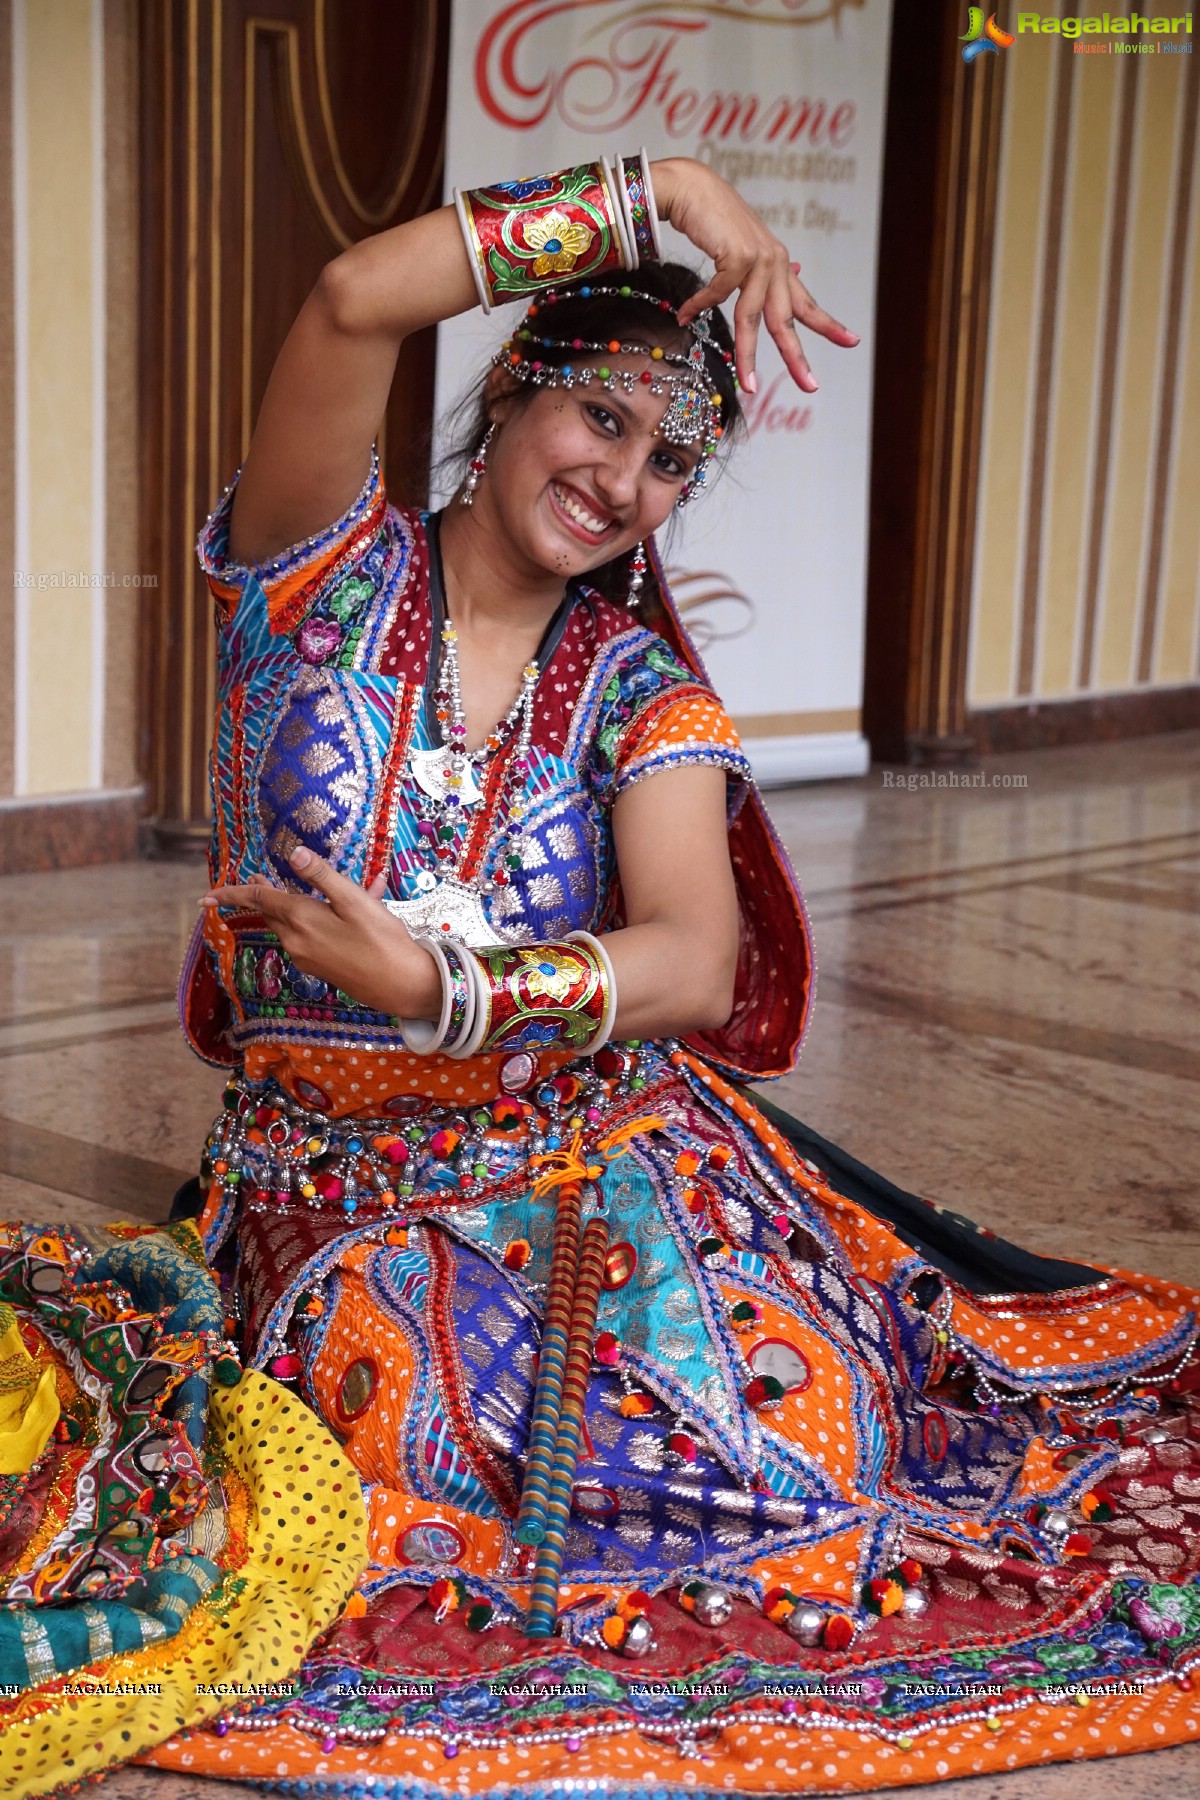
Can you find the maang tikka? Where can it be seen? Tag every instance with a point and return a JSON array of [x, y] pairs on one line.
[[477, 466]]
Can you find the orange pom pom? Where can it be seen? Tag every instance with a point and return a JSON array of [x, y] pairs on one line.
[[635, 1406], [355, 1607], [838, 1632], [891, 1599], [517, 1254], [779, 1603], [686, 1163], [613, 1631], [445, 1595]]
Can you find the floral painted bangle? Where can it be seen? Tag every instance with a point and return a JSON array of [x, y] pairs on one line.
[[641, 214], [457, 1013], [522, 236], [559, 996]]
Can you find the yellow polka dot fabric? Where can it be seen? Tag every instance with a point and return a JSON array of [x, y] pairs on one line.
[[28, 1399], [296, 1545]]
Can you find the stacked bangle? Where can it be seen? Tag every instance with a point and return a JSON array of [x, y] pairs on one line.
[[641, 214], [559, 996], [457, 1014], [522, 236]]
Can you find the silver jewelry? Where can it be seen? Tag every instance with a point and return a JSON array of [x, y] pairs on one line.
[[477, 466], [693, 413], [637, 576], [452, 779]]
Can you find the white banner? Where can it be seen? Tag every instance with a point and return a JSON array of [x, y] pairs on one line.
[[786, 99]]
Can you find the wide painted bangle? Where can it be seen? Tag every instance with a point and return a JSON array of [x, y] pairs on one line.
[[559, 996], [522, 236], [641, 214], [457, 1013], [602, 956]]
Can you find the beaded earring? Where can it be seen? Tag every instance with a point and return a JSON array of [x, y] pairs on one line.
[[637, 575], [477, 466]]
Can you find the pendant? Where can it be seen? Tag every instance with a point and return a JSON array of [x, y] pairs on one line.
[[449, 909], [431, 767]]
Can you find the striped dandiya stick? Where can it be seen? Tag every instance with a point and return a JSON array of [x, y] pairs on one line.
[[543, 1600], [552, 1361]]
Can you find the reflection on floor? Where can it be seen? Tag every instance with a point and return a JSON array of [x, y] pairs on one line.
[[1007, 1022]]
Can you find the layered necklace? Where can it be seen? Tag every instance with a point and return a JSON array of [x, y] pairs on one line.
[[452, 780]]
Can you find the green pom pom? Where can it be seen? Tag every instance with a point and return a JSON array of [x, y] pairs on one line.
[[480, 1615], [227, 1371]]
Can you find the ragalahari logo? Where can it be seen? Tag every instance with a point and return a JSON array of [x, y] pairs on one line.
[[980, 37]]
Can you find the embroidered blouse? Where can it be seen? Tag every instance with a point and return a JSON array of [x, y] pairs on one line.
[[328, 658]]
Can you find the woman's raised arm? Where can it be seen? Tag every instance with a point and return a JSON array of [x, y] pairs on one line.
[[325, 400], [322, 409]]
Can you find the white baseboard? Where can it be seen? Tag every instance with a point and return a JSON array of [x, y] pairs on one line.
[[820, 756]]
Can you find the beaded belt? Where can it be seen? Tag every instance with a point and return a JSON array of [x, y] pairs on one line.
[[270, 1151]]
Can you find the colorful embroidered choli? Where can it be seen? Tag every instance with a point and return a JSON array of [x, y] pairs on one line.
[[967, 1476]]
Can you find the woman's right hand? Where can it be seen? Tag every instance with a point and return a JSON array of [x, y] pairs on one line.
[[748, 257]]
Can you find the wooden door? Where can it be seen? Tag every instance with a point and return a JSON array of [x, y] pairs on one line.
[[275, 133], [941, 154]]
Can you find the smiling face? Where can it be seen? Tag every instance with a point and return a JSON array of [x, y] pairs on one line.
[[577, 476]]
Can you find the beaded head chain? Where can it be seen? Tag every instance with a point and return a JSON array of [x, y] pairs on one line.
[[693, 414]]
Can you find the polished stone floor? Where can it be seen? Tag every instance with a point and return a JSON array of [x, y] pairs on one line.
[[1007, 1021]]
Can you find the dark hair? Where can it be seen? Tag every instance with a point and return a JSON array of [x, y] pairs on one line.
[[597, 318]]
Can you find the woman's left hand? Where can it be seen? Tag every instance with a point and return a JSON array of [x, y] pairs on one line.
[[345, 938], [750, 261]]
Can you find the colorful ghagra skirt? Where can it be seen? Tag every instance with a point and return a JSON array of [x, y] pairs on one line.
[[853, 1494]]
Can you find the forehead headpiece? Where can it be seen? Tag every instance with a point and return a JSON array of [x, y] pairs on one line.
[[693, 414]]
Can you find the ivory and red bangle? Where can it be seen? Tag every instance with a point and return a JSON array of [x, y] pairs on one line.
[[559, 996], [524, 236]]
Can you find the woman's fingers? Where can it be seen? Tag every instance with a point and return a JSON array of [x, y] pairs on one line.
[[726, 279], [814, 317], [247, 895], [780, 322], [342, 893], [747, 317]]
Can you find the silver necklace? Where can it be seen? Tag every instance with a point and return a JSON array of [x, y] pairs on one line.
[[452, 779]]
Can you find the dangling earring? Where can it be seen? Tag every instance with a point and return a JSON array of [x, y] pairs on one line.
[[637, 575], [477, 466]]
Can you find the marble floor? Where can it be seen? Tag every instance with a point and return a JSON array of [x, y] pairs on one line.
[[1007, 1021]]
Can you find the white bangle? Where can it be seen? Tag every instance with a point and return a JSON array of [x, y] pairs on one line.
[[422, 1036], [616, 191]]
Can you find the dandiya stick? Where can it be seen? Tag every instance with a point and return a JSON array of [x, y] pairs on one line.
[[543, 1599], [552, 1360]]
